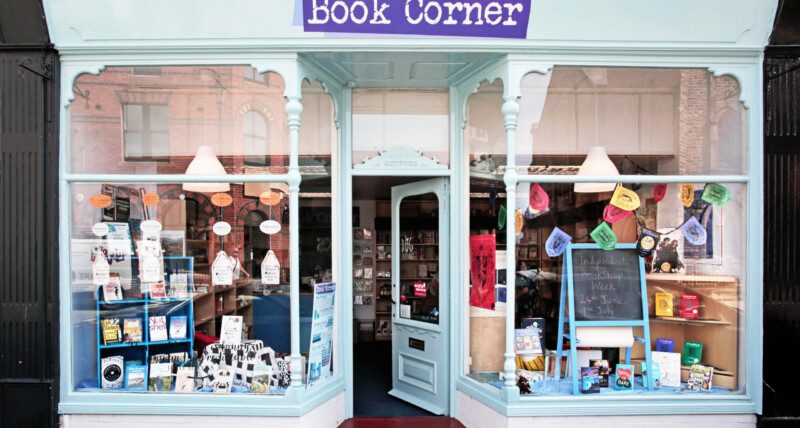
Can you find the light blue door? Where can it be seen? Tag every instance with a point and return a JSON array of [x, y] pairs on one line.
[[420, 294]]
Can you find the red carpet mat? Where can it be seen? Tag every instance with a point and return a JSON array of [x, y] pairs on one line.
[[401, 423]]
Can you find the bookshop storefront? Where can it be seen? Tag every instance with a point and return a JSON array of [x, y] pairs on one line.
[[543, 209]]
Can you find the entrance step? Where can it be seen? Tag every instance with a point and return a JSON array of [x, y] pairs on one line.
[[401, 423]]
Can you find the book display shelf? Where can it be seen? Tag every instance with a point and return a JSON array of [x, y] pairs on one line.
[[139, 347]]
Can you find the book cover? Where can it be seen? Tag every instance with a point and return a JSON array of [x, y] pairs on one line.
[[111, 369], [160, 376], [700, 377], [664, 305], [624, 377], [231, 332], [135, 376], [665, 345], [656, 375], [669, 364], [158, 328], [179, 286], [158, 290], [692, 353], [262, 375], [603, 370], [690, 306], [177, 327], [111, 331], [132, 330], [112, 291], [590, 380], [223, 381], [184, 379]]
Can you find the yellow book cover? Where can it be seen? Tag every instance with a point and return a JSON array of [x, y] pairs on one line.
[[664, 305]]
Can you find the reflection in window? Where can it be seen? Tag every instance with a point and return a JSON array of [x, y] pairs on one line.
[[254, 130], [146, 131]]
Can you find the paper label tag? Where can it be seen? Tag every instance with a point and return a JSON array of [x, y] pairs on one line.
[[625, 199], [604, 237], [538, 199], [222, 270], [271, 269], [716, 194], [100, 229], [101, 272], [687, 194], [659, 192], [221, 228], [149, 261], [270, 227], [694, 232], [557, 242], [221, 199]]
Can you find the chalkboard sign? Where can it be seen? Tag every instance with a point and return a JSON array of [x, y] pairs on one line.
[[607, 285]]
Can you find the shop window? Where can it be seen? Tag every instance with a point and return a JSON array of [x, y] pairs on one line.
[[255, 139], [618, 123], [146, 132]]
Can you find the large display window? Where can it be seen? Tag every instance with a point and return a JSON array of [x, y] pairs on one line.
[[646, 164]]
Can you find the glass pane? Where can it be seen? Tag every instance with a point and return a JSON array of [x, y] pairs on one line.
[[419, 258], [154, 276], [133, 144], [391, 120], [197, 106]]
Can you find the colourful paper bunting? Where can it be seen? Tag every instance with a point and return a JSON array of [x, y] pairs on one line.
[[613, 214], [687, 194], [519, 221], [604, 237], [538, 199], [659, 191], [501, 217], [557, 242], [624, 198], [694, 232], [716, 194]]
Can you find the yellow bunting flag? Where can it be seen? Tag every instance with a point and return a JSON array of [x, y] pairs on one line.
[[519, 221], [687, 194], [625, 199]]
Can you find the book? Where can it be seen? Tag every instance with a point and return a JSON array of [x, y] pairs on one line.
[[692, 353], [132, 330], [656, 375], [262, 375], [112, 371], [231, 332], [700, 377], [177, 327], [664, 305], [160, 376], [665, 345], [158, 290], [158, 328], [135, 376], [112, 291], [690, 306], [603, 370], [669, 365], [111, 331], [528, 340], [590, 380], [184, 379], [623, 379], [179, 286], [223, 380]]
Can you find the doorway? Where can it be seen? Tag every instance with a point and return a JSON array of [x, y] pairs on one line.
[[400, 297]]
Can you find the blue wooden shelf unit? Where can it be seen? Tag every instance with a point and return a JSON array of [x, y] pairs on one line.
[[142, 309]]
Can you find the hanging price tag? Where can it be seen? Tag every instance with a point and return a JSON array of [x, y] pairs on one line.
[[646, 244], [271, 269], [519, 222], [694, 232], [716, 194], [101, 272], [501, 217], [613, 214], [538, 198], [604, 236], [557, 242], [222, 270], [625, 199], [687, 194], [270, 227], [659, 191]]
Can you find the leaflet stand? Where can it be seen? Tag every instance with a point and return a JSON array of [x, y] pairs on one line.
[[567, 290]]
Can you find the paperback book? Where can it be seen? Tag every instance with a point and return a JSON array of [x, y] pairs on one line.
[[656, 375], [624, 377], [603, 370], [669, 365], [700, 377], [132, 330], [112, 333], [158, 328], [177, 327], [158, 290], [160, 376], [184, 379], [112, 372], [179, 286], [135, 376], [590, 380]]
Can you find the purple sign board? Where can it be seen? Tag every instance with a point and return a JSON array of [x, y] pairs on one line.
[[472, 18]]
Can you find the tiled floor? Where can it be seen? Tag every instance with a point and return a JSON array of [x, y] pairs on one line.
[[401, 423]]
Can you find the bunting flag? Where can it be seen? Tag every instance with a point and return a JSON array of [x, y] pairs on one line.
[[538, 199], [501, 217], [519, 222], [646, 244], [687, 194], [557, 242], [604, 237], [625, 199], [659, 191], [613, 214], [694, 232], [716, 194]]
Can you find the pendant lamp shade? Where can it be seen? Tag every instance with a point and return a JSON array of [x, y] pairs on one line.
[[205, 162], [596, 163]]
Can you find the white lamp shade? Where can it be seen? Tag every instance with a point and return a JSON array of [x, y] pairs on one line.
[[596, 163], [205, 162]]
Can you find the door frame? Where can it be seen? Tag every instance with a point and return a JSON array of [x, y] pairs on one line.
[[456, 174]]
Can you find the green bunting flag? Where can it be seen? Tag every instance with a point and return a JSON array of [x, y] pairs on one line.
[[716, 194], [501, 217], [604, 236]]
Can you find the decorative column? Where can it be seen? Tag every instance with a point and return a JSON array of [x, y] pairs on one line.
[[510, 110], [293, 110]]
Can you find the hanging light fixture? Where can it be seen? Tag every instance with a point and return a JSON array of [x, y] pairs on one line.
[[597, 161], [205, 162]]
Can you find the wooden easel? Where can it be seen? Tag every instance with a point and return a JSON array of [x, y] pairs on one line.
[[568, 292]]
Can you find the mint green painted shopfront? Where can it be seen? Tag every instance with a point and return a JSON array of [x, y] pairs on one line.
[[254, 158]]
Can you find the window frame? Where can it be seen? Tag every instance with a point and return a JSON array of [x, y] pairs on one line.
[[146, 131]]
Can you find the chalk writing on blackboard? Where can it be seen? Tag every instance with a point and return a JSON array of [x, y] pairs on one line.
[[607, 285]]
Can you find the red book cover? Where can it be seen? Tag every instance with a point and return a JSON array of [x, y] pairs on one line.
[[690, 306]]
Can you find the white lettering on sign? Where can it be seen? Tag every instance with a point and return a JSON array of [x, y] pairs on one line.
[[433, 12], [339, 11]]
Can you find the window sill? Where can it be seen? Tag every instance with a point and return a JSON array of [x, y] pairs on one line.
[[291, 405], [590, 405]]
